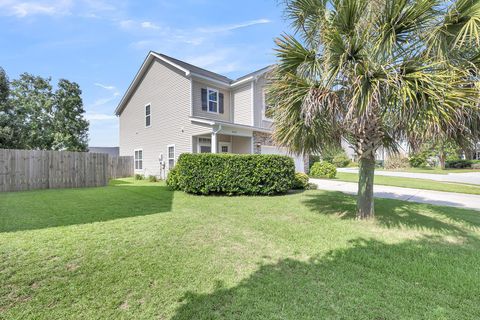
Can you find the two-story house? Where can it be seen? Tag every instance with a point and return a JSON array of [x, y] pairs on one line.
[[172, 107]]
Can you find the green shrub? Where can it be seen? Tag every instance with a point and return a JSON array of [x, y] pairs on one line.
[[139, 176], [312, 159], [172, 178], [233, 174], [476, 165], [300, 181], [462, 164], [459, 164], [341, 160], [418, 160], [323, 169], [396, 162], [152, 179]]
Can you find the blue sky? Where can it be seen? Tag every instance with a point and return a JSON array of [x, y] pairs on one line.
[[101, 44]]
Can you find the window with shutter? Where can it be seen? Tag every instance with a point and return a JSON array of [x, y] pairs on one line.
[[204, 99], [220, 105]]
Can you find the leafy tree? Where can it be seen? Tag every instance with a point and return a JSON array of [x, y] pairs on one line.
[[9, 126], [35, 117], [71, 128], [375, 72], [32, 100]]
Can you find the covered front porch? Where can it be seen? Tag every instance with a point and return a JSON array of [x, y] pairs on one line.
[[222, 138], [221, 143]]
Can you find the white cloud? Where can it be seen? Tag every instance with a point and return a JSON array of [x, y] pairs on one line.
[[231, 27], [94, 116], [106, 87], [130, 24], [149, 25], [22, 9]]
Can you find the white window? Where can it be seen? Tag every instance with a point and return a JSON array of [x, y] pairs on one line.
[[225, 147], [212, 99], [138, 159], [171, 156], [266, 107], [204, 145], [148, 115]]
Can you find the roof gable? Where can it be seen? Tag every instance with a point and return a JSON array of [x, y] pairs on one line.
[[186, 68]]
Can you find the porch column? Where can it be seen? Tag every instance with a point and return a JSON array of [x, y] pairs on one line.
[[214, 142]]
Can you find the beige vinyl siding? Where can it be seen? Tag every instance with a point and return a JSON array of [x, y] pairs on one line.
[[167, 90], [241, 145], [242, 105], [258, 103], [197, 102]]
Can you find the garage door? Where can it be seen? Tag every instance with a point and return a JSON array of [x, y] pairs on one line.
[[299, 167]]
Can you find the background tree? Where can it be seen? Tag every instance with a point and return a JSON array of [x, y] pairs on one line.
[[375, 72], [32, 116], [70, 126], [32, 100]]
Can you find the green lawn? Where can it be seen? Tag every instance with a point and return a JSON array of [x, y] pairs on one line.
[[414, 183], [136, 250], [434, 170]]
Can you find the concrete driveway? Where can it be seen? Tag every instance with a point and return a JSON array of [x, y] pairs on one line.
[[450, 199], [469, 177]]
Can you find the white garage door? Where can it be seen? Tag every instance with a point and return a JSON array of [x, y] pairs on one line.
[[299, 167]]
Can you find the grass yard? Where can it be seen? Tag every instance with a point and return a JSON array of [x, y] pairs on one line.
[[414, 183], [136, 250], [435, 170]]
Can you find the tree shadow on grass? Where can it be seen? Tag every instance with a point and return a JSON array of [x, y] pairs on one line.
[[53, 208], [423, 279], [392, 213]]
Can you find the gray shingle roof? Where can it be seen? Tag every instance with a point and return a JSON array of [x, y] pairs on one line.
[[196, 69], [207, 73]]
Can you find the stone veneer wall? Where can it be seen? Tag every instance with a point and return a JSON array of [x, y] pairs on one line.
[[261, 139], [265, 139]]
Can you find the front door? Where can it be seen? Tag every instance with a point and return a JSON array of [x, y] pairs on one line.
[[224, 147]]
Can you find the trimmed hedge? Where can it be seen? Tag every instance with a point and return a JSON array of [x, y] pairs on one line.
[[232, 174], [460, 164]]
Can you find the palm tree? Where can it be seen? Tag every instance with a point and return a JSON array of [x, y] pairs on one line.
[[375, 72]]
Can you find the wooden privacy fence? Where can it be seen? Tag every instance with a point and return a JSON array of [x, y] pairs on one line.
[[37, 169]]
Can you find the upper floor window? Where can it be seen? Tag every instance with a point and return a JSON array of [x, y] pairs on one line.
[[266, 110], [148, 115], [138, 159], [212, 100]]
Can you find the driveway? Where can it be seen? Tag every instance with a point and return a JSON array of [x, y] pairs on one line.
[[459, 200], [469, 177]]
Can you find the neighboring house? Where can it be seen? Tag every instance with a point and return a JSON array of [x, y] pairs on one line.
[[173, 107], [113, 151]]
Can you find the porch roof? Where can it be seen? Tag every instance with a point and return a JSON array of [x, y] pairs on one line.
[[213, 123]]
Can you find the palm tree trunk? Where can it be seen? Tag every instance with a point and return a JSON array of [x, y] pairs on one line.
[[365, 203]]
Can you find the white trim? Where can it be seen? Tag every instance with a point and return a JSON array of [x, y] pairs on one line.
[[264, 104], [187, 72], [253, 102], [228, 124], [242, 81], [225, 85], [174, 155], [218, 100], [145, 114], [191, 97], [135, 160]]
